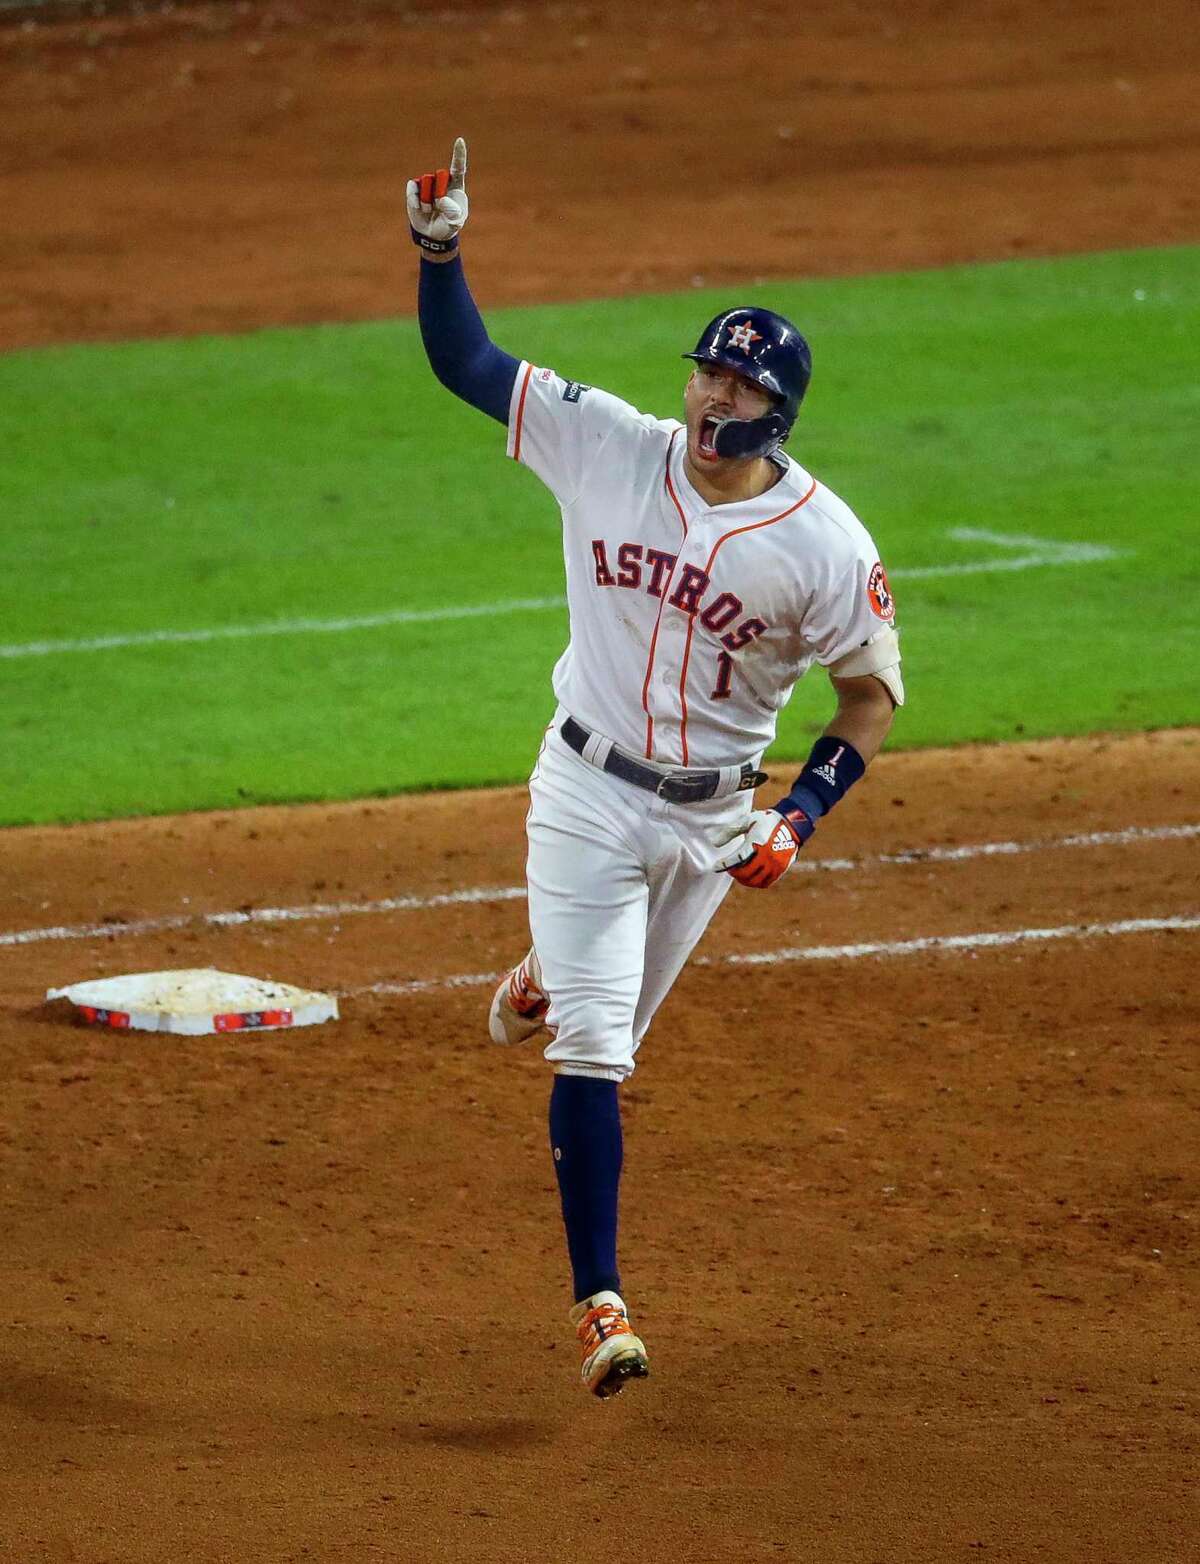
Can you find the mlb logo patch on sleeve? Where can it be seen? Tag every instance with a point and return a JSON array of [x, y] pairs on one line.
[[574, 391]]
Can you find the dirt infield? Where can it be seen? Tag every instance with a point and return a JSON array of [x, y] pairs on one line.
[[911, 1233], [912, 1238], [232, 165]]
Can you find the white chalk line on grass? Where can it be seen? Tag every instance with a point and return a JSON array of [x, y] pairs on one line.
[[984, 940], [396, 616], [315, 911], [1038, 552]]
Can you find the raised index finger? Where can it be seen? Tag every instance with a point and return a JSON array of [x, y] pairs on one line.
[[458, 165]]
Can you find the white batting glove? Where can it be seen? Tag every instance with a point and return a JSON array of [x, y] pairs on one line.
[[437, 204], [763, 850]]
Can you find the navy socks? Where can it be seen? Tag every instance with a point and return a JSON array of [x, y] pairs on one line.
[[585, 1137]]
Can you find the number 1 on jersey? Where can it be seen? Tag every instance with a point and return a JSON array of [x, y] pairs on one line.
[[724, 685]]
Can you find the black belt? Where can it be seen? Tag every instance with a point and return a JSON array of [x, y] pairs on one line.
[[675, 787]]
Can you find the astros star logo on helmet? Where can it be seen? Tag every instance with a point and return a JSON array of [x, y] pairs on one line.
[[742, 336]]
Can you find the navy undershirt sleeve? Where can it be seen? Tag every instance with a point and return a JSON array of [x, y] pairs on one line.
[[461, 354]]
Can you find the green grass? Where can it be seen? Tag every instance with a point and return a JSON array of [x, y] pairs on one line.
[[322, 473]]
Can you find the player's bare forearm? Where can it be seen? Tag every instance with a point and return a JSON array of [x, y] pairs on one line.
[[864, 715], [437, 260]]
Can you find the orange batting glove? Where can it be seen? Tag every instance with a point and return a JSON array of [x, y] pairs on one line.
[[764, 850]]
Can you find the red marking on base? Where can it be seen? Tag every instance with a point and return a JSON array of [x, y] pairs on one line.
[[117, 1018], [236, 1021]]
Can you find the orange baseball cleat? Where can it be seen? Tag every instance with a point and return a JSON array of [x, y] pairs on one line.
[[611, 1352], [520, 1004]]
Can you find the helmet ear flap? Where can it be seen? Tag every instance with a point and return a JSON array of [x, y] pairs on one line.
[[736, 439]]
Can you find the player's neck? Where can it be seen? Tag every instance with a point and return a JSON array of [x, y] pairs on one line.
[[730, 482]]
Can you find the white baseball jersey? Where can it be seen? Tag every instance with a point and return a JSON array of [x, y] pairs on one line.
[[690, 623]]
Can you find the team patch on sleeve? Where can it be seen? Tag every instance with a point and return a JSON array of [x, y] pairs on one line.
[[879, 593], [574, 391]]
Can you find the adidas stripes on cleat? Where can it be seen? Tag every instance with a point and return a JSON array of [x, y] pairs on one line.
[[519, 1005], [611, 1353]]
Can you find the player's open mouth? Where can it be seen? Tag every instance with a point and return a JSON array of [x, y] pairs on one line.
[[705, 438]]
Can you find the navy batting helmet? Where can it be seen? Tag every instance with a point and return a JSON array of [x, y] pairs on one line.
[[767, 349]]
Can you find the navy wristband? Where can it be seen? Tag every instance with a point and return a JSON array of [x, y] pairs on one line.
[[801, 821], [831, 768], [434, 246]]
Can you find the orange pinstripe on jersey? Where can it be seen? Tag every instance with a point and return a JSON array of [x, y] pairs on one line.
[[661, 602], [687, 645], [521, 413]]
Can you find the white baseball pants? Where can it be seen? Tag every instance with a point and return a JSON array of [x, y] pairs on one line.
[[621, 887]]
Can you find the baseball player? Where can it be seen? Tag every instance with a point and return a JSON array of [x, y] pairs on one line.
[[706, 571]]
